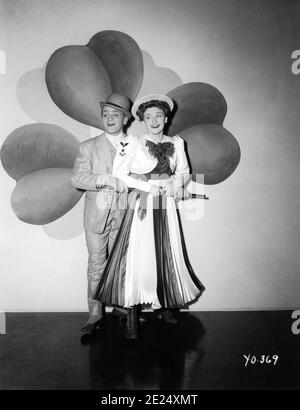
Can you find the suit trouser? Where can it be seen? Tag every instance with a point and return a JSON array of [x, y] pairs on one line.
[[99, 246]]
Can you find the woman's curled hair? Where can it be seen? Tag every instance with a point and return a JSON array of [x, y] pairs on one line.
[[153, 103]]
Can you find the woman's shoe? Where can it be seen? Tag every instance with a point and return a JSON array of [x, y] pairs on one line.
[[168, 317], [90, 328], [131, 329], [120, 317], [142, 319]]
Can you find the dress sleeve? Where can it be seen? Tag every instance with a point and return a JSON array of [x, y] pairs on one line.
[[182, 166], [123, 174], [182, 170]]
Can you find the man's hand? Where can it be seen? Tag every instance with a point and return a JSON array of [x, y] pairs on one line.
[[120, 186], [110, 182], [168, 189]]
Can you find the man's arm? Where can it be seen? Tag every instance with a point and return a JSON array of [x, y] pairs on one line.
[[82, 176]]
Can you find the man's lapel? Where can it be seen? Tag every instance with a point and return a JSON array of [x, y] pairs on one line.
[[103, 154]]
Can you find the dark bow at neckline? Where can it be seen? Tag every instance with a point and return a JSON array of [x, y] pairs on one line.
[[161, 149]]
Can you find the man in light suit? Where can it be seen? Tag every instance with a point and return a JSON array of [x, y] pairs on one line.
[[106, 196]]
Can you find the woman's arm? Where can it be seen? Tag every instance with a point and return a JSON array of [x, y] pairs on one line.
[[182, 171], [140, 182], [181, 177], [123, 173]]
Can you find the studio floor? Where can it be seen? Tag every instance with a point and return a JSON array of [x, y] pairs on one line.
[[205, 351]]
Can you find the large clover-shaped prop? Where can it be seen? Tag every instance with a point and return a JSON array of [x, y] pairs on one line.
[[40, 157]]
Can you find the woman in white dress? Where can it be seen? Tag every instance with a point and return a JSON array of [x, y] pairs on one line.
[[148, 263]]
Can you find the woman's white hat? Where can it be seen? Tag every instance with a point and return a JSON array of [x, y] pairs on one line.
[[150, 97]]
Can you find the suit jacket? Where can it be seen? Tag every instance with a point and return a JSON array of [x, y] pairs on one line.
[[93, 166]]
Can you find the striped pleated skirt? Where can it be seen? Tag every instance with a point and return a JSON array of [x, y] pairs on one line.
[[148, 263]]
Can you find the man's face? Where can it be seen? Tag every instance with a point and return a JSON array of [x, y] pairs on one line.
[[113, 120]]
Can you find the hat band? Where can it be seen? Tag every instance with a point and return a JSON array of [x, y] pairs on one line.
[[115, 105]]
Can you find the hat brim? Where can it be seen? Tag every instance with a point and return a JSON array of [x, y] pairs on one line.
[[117, 107], [150, 97]]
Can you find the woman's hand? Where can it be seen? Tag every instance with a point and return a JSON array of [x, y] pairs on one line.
[[168, 189], [155, 190], [120, 186], [178, 192], [181, 194]]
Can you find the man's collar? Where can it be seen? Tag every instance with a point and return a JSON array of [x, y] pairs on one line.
[[115, 137]]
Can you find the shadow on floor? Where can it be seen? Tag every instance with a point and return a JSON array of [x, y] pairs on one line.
[[205, 351], [163, 357]]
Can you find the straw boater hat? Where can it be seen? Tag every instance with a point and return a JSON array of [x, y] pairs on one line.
[[159, 97], [118, 101]]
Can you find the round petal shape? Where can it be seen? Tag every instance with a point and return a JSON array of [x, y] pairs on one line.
[[212, 151], [44, 196], [122, 60], [196, 103], [77, 81], [37, 146]]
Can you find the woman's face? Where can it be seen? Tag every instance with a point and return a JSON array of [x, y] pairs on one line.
[[154, 119]]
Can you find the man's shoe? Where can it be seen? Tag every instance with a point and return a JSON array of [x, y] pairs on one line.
[[168, 317], [90, 328]]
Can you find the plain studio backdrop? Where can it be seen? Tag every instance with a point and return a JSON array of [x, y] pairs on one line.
[[244, 244]]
